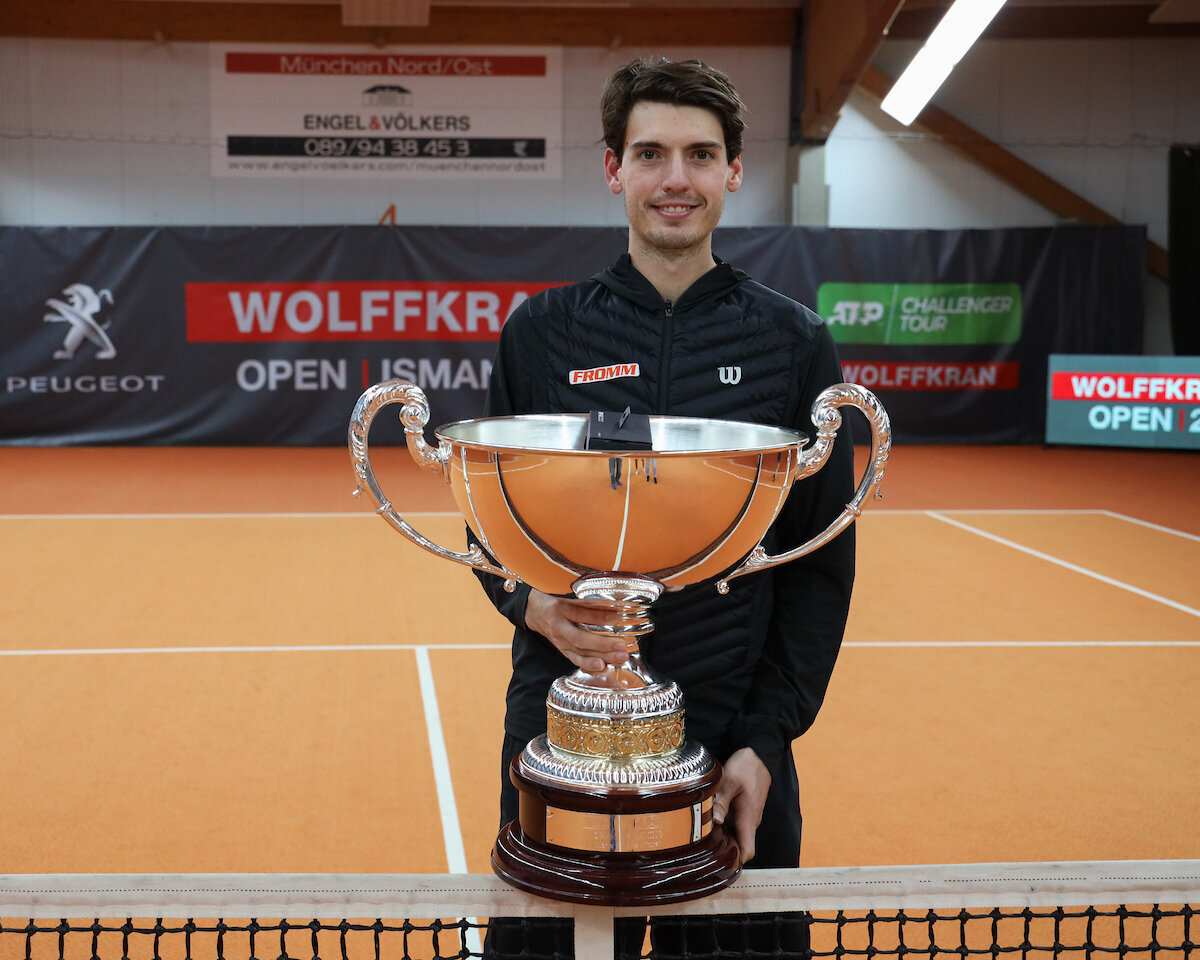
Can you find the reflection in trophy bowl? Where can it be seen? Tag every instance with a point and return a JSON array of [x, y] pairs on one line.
[[551, 511]]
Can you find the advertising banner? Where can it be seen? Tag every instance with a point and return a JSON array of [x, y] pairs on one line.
[[952, 328], [1124, 401], [450, 113], [922, 313], [268, 335]]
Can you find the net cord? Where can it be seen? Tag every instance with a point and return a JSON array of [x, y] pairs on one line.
[[1059, 884]]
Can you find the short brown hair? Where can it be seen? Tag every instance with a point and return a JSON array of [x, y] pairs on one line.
[[686, 83]]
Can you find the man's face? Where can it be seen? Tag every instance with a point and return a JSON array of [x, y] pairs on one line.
[[673, 174]]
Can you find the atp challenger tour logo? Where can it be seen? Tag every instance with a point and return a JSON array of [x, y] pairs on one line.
[[921, 314]]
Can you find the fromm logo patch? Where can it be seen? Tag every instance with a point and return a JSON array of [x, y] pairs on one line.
[[612, 372]]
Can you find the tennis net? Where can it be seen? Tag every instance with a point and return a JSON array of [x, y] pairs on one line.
[[1074, 911]]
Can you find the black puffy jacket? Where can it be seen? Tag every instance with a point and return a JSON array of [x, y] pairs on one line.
[[754, 664]]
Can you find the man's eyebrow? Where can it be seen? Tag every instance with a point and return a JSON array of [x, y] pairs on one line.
[[700, 145]]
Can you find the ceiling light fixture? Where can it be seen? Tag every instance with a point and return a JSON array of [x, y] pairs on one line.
[[950, 40]]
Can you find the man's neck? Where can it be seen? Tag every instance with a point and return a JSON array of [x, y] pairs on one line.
[[672, 272]]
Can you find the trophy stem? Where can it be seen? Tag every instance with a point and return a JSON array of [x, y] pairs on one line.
[[630, 598]]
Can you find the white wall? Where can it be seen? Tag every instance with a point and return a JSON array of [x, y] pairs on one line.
[[1098, 116], [95, 132], [118, 133]]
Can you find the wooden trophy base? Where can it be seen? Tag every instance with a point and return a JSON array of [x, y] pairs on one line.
[[617, 849]]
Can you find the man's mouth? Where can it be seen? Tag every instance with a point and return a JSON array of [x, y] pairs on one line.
[[674, 209]]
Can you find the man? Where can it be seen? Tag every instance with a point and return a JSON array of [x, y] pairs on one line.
[[701, 339]]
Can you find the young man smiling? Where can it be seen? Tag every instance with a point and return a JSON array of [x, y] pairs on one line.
[[673, 172], [667, 325]]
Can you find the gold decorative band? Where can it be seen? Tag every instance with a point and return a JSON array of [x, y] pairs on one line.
[[615, 739], [628, 832]]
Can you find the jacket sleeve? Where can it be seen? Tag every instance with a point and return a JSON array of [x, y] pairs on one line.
[[811, 595], [508, 394]]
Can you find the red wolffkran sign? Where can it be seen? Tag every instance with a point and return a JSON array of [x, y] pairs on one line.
[[893, 375], [1142, 386], [343, 311]]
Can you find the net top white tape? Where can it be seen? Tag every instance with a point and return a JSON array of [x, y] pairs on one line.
[[1035, 884]]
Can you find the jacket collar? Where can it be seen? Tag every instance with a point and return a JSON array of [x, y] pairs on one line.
[[625, 280]]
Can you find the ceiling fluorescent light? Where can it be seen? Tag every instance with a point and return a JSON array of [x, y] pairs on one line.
[[950, 40]]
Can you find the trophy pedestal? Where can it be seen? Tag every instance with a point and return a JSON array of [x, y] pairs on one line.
[[615, 848], [616, 806]]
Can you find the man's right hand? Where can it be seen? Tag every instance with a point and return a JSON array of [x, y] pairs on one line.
[[558, 620]]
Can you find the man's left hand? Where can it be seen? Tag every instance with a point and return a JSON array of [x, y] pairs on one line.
[[741, 798]]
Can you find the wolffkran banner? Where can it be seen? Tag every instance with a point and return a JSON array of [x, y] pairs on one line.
[[130, 335], [1124, 401]]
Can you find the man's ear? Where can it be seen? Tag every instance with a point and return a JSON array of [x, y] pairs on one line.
[[733, 179], [612, 171]]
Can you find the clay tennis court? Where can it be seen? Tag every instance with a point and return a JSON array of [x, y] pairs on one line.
[[217, 660]]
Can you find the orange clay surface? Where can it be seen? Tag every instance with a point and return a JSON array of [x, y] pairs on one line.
[[211, 660]]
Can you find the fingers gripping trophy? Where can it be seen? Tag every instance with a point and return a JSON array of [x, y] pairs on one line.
[[616, 804]]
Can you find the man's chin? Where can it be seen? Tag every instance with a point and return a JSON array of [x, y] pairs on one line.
[[675, 241]]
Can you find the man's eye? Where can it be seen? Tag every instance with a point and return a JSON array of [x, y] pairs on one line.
[[647, 154], [704, 155]]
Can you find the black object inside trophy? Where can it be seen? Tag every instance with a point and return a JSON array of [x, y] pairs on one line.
[[618, 431]]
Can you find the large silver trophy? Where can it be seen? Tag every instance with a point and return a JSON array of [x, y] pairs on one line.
[[615, 803]]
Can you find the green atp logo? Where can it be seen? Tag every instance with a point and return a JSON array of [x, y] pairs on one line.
[[906, 314], [851, 312]]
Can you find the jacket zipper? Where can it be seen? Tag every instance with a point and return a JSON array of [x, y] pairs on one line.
[[664, 365]]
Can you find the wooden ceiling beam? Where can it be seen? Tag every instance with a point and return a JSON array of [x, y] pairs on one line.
[[1008, 167], [171, 20], [839, 39]]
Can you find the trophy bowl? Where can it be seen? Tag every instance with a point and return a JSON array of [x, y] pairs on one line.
[[615, 802]]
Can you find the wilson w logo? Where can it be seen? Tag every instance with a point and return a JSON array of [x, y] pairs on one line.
[[730, 375]]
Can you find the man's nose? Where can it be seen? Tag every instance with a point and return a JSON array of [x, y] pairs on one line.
[[675, 178]]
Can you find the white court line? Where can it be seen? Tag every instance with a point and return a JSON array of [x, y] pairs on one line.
[[971, 644], [1153, 526], [456, 856], [314, 648], [1016, 511], [353, 648], [871, 512], [213, 516], [1075, 568], [1111, 514]]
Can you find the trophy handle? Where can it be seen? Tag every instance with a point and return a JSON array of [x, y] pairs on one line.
[[414, 415], [827, 419]]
